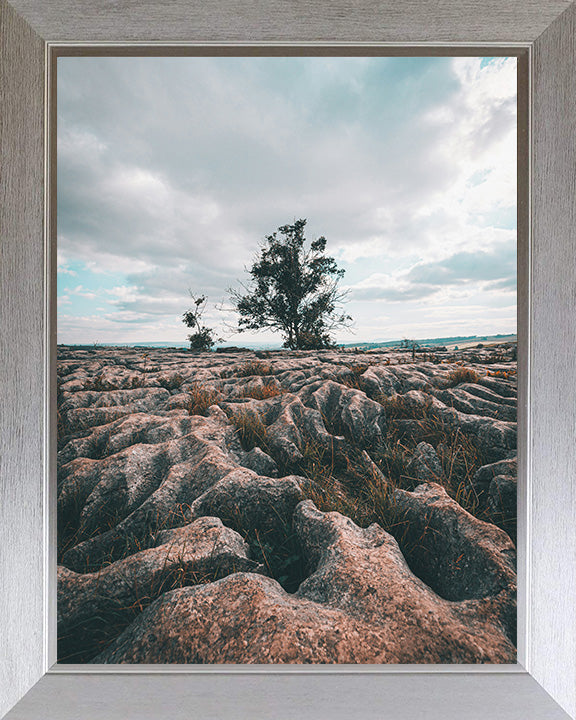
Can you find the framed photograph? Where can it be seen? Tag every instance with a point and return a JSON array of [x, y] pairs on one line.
[[338, 516], [331, 477]]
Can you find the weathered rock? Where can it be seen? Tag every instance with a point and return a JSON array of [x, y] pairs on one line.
[[290, 426], [465, 400], [481, 391], [163, 449], [458, 555], [485, 474], [259, 461], [105, 440], [94, 608], [348, 410], [496, 437], [506, 388], [425, 465], [362, 604], [185, 555], [165, 505], [502, 495], [364, 571], [246, 500]]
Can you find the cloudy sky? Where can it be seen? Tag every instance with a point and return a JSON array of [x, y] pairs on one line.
[[171, 171]]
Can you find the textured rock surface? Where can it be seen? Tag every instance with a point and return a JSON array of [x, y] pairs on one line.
[[360, 599], [425, 465], [204, 549], [182, 482]]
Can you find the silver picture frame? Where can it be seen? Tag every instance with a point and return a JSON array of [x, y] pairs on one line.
[[542, 686]]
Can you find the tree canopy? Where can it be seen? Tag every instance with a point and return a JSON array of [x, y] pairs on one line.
[[293, 289]]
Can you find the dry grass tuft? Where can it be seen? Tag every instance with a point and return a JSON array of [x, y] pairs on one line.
[[98, 385], [251, 430], [254, 367], [359, 368], [345, 482], [398, 407], [200, 399], [264, 392], [461, 375]]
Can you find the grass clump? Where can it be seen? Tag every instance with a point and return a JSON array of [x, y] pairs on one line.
[[347, 480], [254, 367], [274, 545], [398, 407], [461, 375], [280, 553], [460, 458], [200, 399], [409, 423], [359, 368], [251, 430], [263, 392], [353, 379], [97, 384]]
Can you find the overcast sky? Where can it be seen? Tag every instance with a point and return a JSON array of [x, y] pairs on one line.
[[171, 171]]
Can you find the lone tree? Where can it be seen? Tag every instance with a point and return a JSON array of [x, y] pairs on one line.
[[203, 337], [293, 288]]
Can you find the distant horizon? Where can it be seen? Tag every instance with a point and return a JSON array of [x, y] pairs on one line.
[[278, 346], [172, 171]]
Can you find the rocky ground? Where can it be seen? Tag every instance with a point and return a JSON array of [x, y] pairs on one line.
[[286, 507]]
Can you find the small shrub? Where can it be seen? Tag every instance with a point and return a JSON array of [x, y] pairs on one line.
[[461, 375], [202, 340], [203, 337], [411, 345]]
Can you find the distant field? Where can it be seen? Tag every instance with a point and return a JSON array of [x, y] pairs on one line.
[[491, 340]]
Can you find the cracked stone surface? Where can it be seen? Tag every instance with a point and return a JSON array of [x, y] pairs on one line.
[[361, 604], [184, 486]]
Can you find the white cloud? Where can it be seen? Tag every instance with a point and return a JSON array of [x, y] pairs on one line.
[[62, 263], [82, 292], [171, 171]]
